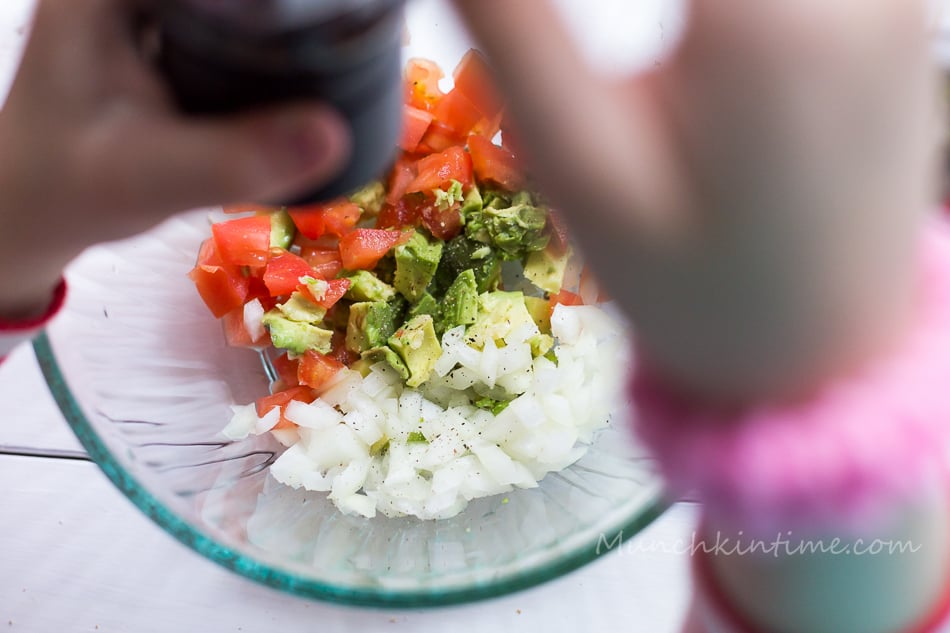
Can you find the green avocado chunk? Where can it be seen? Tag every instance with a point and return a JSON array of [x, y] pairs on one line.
[[461, 254], [460, 304], [545, 269], [300, 308], [418, 346], [371, 323], [282, 229], [385, 354], [515, 229], [370, 198], [499, 314], [426, 305], [365, 286], [296, 336], [540, 311], [416, 263]]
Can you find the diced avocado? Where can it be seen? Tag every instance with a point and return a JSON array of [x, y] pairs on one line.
[[363, 366], [471, 203], [494, 199], [370, 198], [541, 344], [418, 346], [371, 323], [385, 354], [379, 447], [540, 311], [462, 253], [490, 404], [545, 269], [365, 286], [416, 263], [446, 199], [296, 336], [460, 304], [514, 231], [499, 314], [300, 308], [426, 305], [416, 437], [282, 229]]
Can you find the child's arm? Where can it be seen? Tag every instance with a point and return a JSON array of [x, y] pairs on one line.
[[91, 149], [754, 202]]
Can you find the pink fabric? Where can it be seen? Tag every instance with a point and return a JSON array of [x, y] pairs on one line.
[[12, 333], [841, 459]]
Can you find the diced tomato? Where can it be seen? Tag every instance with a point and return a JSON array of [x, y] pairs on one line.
[[495, 164], [284, 272], [222, 287], [282, 399], [399, 215], [249, 207], [422, 83], [456, 111], [236, 333], [415, 122], [439, 137], [286, 369], [444, 224], [437, 171], [335, 290], [326, 263], [402, 175], [341, 216], [317, 369], [309, 221], [340, 353], [567, 298], [334, 218], [244, 241], [487, 128], [474, 79], [363, 248], [257, 289]]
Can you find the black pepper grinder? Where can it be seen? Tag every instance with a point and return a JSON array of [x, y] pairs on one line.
[[223, 56]]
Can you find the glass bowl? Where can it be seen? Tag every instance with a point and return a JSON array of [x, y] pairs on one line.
[[142, 373]]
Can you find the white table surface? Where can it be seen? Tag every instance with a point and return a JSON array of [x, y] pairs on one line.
[[75, 555]]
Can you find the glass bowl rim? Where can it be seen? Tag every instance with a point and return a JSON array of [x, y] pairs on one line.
[[263, 573]]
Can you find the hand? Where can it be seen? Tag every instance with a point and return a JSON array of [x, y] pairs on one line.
[[754, 203], [92, 149]]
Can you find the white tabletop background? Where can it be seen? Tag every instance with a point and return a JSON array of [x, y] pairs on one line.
[[75, 555]]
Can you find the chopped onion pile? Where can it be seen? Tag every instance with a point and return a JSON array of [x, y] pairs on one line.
[[377, 446]]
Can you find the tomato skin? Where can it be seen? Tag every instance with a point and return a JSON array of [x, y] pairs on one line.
[[326, 263], [336, 288], [334, 218], [286, 369], [474, 79], [235, 332], [567, 298], [495, 164], [363, 248], [399, 215], [244, 241], [437, 171], [439, 137], [340, 217], [458, 113], [422, 83], [222, 287], [283, 273], [317, 369], [282, 399], [402, 175], [309, 221], [414, 126]]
